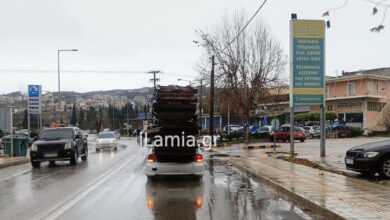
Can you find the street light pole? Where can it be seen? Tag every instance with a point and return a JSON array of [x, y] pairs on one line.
[[59, 80]]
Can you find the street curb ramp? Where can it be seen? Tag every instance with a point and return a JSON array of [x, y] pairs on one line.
[[302, 201]]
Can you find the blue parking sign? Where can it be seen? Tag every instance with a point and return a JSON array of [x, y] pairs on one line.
[[33, 90]]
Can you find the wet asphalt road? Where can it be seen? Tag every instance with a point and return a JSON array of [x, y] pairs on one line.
[[112, 185]]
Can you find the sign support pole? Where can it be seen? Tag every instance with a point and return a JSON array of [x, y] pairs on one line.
[[40, 123], [28, 125], [323, 133], [11, 131], [292, 128]]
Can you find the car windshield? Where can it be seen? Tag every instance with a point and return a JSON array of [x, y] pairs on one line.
[[57, 134], [106, 135], [316, 128], [299, 129]]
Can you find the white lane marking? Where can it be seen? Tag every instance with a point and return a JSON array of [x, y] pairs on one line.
[[58, 209]]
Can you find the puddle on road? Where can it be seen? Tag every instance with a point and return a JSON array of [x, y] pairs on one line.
[[234, 195]]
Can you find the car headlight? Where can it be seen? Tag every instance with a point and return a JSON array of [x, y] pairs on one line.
[[34, 147], [99, 141], [68, 146], [112, 141], [369, 154]]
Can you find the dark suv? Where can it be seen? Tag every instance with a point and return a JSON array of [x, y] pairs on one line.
[[65, 143]]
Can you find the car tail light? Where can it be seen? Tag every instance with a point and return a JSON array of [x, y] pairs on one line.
[[151, 158], [199, 202], [198, 158]]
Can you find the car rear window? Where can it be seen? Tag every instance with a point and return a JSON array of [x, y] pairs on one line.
[[56, 134], [106, 135]]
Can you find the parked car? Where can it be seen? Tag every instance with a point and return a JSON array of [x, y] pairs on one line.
[[233, 127], [312, 131], [370, 158], [106, 140], [64, 143], [266, 130], [343, 132], [253, 128], [283, 133], [238, 130], [337, 125]]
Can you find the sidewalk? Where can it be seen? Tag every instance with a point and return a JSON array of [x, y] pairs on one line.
[[10, 161], [331, 195], [310, 149]]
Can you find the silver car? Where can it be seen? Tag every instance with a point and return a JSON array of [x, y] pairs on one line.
[[106, 140], [312, 131]]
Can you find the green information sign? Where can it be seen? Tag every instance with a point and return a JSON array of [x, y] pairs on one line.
[[307, 70]]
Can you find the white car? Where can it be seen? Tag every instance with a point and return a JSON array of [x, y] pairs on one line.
[[312, 131], [233, 128], [192, 165], [106, 140]]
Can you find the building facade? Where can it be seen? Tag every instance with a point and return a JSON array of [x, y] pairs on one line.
[[359, 98]]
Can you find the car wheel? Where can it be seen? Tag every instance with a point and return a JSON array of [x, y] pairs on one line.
[[384, 169], [271, 139], [85, 156], [311, 136], [74, 159], [97, 150], [302, 140], [36, 164], [288, 139]]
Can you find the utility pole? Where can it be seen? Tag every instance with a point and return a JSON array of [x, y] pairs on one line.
[[59, 80], [154, 72], [211, 124], [113, 117], [200, 105], [11, 131], [228, 130], [127, 118]]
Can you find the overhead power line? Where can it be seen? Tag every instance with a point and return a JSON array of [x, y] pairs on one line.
[[246, 25], [35, 71]]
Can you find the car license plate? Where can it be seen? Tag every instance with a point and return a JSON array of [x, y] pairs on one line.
[[348, 161], [51, 155]]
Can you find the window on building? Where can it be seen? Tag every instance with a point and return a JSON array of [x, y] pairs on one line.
[[329, 108], [326, 92], [351, 89], [354, 117], [370, 87], [374, 106], [377, 88]]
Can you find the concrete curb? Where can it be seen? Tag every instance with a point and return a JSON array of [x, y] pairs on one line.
[[255, 147], [15, 162], [316, 208], [227, 144]]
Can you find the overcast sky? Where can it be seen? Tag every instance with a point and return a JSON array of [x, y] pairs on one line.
[[128, 35]]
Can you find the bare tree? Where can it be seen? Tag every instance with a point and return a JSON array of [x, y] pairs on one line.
[[386, 119], [248, 66], [378, 6]]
